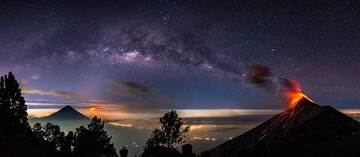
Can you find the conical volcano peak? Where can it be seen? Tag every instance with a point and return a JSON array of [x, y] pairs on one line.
[[68, 108], [306, 100], [302, 111], [302, 130], [66, 113], [305, 104]]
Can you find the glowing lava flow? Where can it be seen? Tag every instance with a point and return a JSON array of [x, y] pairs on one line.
[[294, 97], [294, 94]]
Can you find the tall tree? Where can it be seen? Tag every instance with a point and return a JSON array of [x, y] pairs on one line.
[[12, 106], [93, 141], [170, 133], [15, 131]]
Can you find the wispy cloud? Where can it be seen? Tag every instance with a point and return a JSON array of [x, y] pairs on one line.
[[124, 97], [132, 87], [140, 97], [56, 93]]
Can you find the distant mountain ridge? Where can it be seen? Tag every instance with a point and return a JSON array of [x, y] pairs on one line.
[[66, 113], [308, 129]]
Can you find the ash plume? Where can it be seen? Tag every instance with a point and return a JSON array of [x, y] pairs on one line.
[[261, 76], [290, 85]]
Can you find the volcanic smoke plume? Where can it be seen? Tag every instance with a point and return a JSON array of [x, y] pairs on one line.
[[292, 92], [261, 76]]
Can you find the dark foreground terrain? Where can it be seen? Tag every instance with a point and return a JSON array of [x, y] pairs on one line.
[[304, 130]]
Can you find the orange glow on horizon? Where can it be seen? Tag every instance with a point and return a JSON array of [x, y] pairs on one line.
[[40, 112], [120, 124], [110, 113], [93, 110], [201, 126]]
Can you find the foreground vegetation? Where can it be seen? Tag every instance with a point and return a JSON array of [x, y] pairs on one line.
[[18, 138]]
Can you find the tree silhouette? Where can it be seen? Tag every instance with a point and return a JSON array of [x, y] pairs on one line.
[[66, 144], [53, 135], [157, 139], [93, 141], [170, 133], [123, 152], [49, 135], [13, 115], [39, 131], [165, 139], [17, 138]]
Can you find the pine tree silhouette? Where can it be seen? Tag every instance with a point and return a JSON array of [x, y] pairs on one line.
[[53, 135], [49, 137], [15, 131], [93, 141], [13, 115], [169, 134], [47, 140], [164, 140], [38, 131]]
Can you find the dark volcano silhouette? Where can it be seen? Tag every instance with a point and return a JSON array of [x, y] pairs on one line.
[[304, 130], [66, 113]]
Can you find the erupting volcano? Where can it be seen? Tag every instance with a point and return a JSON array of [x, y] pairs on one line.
[[294, 93], [303, 129]]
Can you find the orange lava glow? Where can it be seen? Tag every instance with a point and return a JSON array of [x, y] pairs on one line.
[[294, 97], [93, 110], [295, 94]]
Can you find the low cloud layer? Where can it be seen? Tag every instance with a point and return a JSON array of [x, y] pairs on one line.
[[66, 94]]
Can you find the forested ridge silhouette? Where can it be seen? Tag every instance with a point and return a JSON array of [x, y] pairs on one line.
[[19, 139]]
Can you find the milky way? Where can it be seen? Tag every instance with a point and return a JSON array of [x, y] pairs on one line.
[[185, 54]]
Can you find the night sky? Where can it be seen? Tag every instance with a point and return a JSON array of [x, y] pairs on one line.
[[137, 56]]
